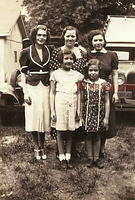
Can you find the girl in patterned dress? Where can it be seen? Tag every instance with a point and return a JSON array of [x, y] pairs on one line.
[[65, 105], [96, 110]]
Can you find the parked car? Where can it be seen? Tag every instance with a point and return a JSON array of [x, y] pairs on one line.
[[11, 101], [120, 37]]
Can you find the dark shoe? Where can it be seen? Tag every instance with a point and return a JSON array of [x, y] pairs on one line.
[[75, 154], [57, 155], [69, 164], [98, 163], [102, 155], [63, 164], [89, 163]]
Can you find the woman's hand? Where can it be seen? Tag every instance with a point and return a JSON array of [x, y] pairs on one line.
[[27, 99], [115, 98], [106, 123]]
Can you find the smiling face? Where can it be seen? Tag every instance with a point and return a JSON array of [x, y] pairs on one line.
[[70, 38], [41, 37], [68, 61], [98, 42], [93, 72]]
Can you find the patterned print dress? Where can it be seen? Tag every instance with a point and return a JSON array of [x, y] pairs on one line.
[[94, 104], [109, 62]]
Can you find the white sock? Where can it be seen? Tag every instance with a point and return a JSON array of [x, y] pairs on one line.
[[68, 156], [61, 157]]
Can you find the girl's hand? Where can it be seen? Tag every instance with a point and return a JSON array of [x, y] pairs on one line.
[[77, 117], [53, 116], [115, 98], [106, 123]]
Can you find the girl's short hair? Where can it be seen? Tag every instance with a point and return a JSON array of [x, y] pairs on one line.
[[93, 33], [34, 31], [92, 62], [69, 28], [65, 52]]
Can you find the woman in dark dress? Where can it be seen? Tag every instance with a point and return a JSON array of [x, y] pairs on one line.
[[35, 74], [109, 72]]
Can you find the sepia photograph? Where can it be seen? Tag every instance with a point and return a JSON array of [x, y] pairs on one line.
[[67, 100]]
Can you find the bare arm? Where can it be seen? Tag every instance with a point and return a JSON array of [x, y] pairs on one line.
[[107, 110], [23, 80], [78, 110], [115, 84], [52, 100], [27, 98]]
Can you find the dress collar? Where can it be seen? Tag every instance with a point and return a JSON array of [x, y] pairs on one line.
[[102, 51], [99, 81], [35, 57]]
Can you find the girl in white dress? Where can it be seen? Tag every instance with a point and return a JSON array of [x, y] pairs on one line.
[[65, 104]]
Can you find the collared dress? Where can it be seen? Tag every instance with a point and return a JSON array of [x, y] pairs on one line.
[[94, 104], [109, 62], [37, 115], [67, 83]]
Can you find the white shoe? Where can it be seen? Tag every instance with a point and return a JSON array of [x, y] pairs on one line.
[[43, 155], [37, 152]]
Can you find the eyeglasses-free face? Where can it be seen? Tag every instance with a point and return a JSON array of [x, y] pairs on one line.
[[70, 38], [68, 61], [41, 37], [93, 72], [98, 42]]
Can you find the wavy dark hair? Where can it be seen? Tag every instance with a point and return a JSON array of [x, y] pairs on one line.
[[34, 31], [92, 62], [65, 52], [93, 33], [69, 28]]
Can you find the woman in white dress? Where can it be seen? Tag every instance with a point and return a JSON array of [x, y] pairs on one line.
[[35, 71]]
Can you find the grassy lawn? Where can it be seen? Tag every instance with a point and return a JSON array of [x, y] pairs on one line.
[[23, 178]]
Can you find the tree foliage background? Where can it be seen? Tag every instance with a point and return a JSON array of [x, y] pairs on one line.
[[84, 14]]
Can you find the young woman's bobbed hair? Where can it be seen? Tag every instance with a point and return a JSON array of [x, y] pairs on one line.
[[94, 33], [34, 31], [70, 28]]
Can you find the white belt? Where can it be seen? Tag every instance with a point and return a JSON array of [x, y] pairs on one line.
[[40, 72]]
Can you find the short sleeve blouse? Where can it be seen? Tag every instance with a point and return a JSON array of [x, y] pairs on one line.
[[66, 82]]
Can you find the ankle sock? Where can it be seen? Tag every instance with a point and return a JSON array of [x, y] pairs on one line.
[[68, 156], [62, 157]]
